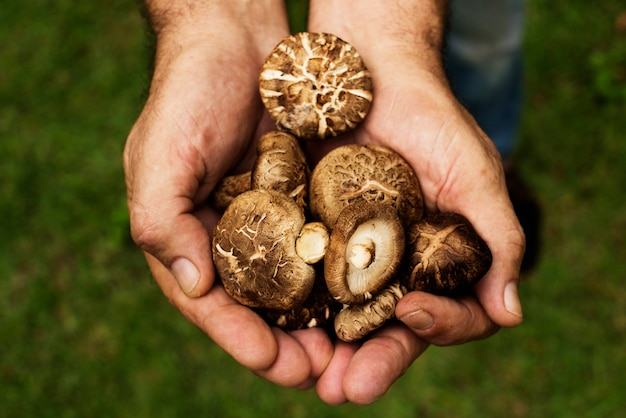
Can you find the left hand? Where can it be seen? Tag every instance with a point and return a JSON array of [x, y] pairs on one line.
[[415, 113]]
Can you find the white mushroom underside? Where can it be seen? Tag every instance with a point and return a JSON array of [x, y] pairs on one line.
[[312, 243], [383, 237]]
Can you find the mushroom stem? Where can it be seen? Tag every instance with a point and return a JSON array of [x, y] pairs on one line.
[[361, 254], [356, 321], [312, 243]]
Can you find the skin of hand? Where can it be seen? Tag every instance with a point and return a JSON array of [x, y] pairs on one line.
[[460, 170], [199, 121]]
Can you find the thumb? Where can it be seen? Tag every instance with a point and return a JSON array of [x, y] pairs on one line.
[[181, 243], [164, 223]]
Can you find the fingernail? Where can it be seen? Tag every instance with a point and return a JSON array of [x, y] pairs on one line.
[[511, 300], [419, 320], [186, 274]]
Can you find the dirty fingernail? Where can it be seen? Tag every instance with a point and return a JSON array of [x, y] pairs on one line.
[[511, 300], [186, 274], [419, 320]]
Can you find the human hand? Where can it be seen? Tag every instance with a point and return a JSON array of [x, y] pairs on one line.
[[415, 113], [199, 122]]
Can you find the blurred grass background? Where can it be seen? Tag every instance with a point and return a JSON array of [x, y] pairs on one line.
[[85, 332]]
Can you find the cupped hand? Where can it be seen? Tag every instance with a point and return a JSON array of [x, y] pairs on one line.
[[188, 135], [460, 171], [415, 113], [200, 121]]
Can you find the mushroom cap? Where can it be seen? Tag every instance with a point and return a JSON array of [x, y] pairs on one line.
[[315, 85], [445, 255], [254, 251], [281, 165], [356, 321], [371, 173], [368, 224], [229, 188]]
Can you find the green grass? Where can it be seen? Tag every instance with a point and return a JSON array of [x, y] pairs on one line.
[[85, 332]]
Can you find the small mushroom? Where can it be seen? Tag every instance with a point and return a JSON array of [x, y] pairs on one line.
[[312, 242], [229, 188], [365, 251], [315, 85], [281, 165], [254, 251], [445, 255], [371, 173], [356, 321]]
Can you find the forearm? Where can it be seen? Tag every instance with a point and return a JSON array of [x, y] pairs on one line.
[[386, 33]]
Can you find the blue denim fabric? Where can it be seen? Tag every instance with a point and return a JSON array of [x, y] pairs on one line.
[[483, 58]]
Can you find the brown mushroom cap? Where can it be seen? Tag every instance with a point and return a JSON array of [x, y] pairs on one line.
[[369, 173], [365, 251], [281, 165], [229, 188], [254, 251], [356, 321], [315, 85], [445, 255]]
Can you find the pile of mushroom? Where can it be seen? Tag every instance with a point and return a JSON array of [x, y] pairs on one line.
[[342, 244]]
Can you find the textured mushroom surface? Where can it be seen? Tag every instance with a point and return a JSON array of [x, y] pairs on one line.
[[317, 311], [445, 255], [365, 251], [229, 188], [281, 166], [315, 85], [254, 251], [370, 173], [356, 321]]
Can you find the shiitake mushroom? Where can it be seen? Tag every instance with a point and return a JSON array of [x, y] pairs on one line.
[[315, 86], [445, 255]]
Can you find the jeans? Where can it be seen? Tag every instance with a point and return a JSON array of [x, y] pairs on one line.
[[483, 59]]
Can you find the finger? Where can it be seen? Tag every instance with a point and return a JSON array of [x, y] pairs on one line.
[[292, 366], [235, 328], [484, 202], [162, 186], [379, 362], [330, 384], [319, 350], [445, 321], [497, 290]]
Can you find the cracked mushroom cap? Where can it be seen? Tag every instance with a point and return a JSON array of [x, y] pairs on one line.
[[254, 251], [445, 255], [371, 173], [356, 321], [365, 251], [281, 166], [315, 86]]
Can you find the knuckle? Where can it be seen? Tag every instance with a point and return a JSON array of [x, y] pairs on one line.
[[145, 231]]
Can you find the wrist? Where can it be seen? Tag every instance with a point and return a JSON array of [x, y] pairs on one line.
[[393, 37], [257, 25]]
